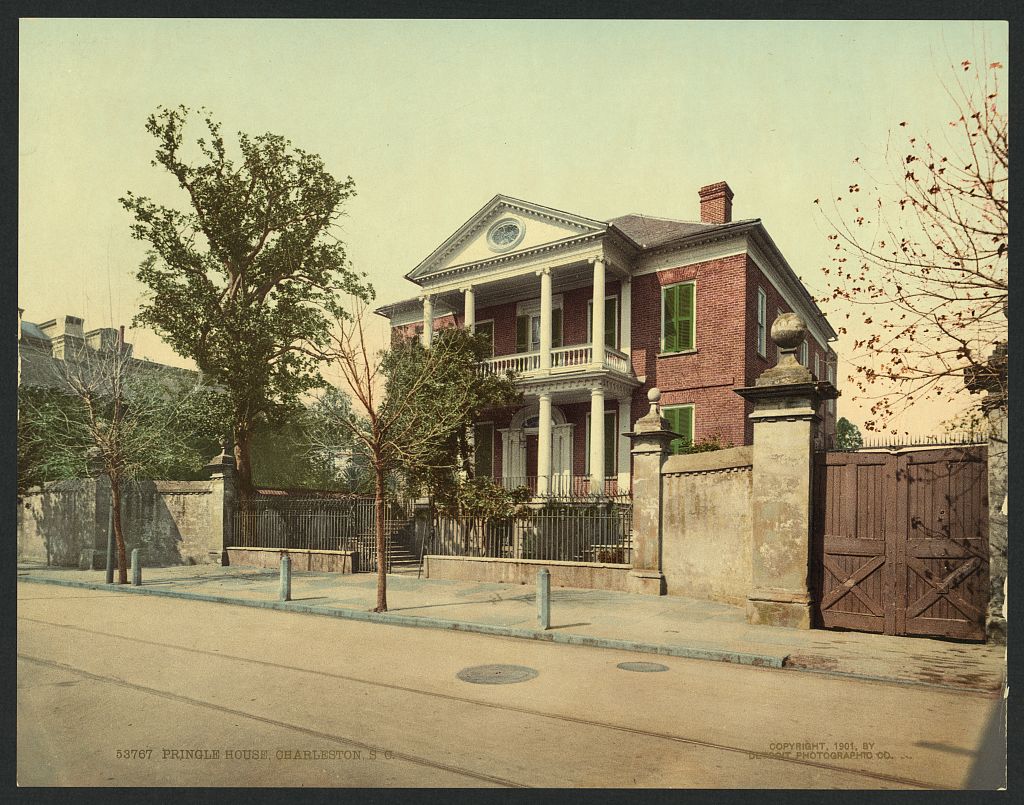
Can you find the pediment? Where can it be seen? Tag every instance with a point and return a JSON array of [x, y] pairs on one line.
[[504, 226]]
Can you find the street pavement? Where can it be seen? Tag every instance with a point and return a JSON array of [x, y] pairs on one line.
[[122, 689], [663, 625]]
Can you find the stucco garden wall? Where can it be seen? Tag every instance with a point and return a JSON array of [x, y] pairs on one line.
[[171, 522], [708, 524]]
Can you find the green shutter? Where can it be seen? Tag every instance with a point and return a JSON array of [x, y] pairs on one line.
[[522, 333], [680, 420], [678, 314], [556, 327], [483, 444], [684, 316], [611, 326], [610, 437], [668, 319]]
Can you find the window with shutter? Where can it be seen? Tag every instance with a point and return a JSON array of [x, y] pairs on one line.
[[762, 323], [678, 317], [556, 327], [522, 333], [483, 450], [680, 420], [486, 330], [611, 322]]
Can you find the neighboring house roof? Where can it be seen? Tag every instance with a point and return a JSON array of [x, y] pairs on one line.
[[30, 329]]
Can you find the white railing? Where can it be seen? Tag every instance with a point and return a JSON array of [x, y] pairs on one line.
[[520, 364], [616, 360], [578, 356]]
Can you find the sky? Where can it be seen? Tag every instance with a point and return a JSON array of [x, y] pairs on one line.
[[433, 118]]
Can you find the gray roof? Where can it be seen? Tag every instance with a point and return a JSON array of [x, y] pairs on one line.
[[30, 329], [649, 231]]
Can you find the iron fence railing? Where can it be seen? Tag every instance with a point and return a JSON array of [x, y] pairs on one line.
[[883, 441], [318, 524], [562, 532]]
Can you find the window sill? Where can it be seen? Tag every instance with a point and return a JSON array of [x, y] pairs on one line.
[[673, 354]]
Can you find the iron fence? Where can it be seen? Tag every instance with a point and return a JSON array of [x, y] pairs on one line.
[[883, 441], [556, 532], [319, 524]]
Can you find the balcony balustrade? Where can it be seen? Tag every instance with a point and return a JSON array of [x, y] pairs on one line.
[[576, 358]]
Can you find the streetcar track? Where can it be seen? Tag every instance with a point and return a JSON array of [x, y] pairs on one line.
[[507, 707], [326, 736]]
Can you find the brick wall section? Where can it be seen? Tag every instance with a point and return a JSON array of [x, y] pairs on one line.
[[755, 364], [705, 378]]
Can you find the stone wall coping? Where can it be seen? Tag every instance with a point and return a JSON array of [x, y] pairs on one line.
[[726, 459], [538, 562], [290, 550], [193, 487]]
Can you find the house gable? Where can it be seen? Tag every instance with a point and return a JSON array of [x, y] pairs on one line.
[[501, 228]]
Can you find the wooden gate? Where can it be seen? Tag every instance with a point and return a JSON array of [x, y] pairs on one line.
[[901, 542]]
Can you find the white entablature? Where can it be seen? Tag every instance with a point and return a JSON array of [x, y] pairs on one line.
[[502, 229]]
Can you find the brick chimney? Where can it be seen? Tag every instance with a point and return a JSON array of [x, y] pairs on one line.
[[716, 203]]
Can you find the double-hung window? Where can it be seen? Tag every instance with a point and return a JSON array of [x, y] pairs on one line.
[[831, 370], [528, 328], [680, 420], [762, 323], [611, 322], [678, 317], [803, 352], [817, 366]]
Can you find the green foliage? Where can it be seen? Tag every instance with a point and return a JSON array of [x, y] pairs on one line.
[[246, 281], [848, 435], [167, 427], [46, 416], [437, 394], [481, 499], [705, 445]]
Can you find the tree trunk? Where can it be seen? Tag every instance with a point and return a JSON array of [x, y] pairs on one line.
[[378, 500], [122, 559], [243, 462], [242, 450]]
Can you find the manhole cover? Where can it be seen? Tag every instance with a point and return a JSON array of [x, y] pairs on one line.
[[643, 667], [496, 674]]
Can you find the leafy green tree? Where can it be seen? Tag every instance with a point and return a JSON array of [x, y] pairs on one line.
[[112, 414], [245, 281], [848, 435], [410, 405]]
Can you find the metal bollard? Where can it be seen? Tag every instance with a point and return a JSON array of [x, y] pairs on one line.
[[136, 568], [544, 599], [286, 578]]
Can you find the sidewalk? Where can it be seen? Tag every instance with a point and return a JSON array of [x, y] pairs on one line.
[[666, 625]]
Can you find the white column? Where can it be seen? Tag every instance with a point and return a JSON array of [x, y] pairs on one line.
[[597, 326], [428, 320], [596, 441], [545, 319], [626, 317], [544, 445], [469, 319], [624, 444]]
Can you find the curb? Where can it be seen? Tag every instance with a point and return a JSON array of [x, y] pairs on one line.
[[688, 652]]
